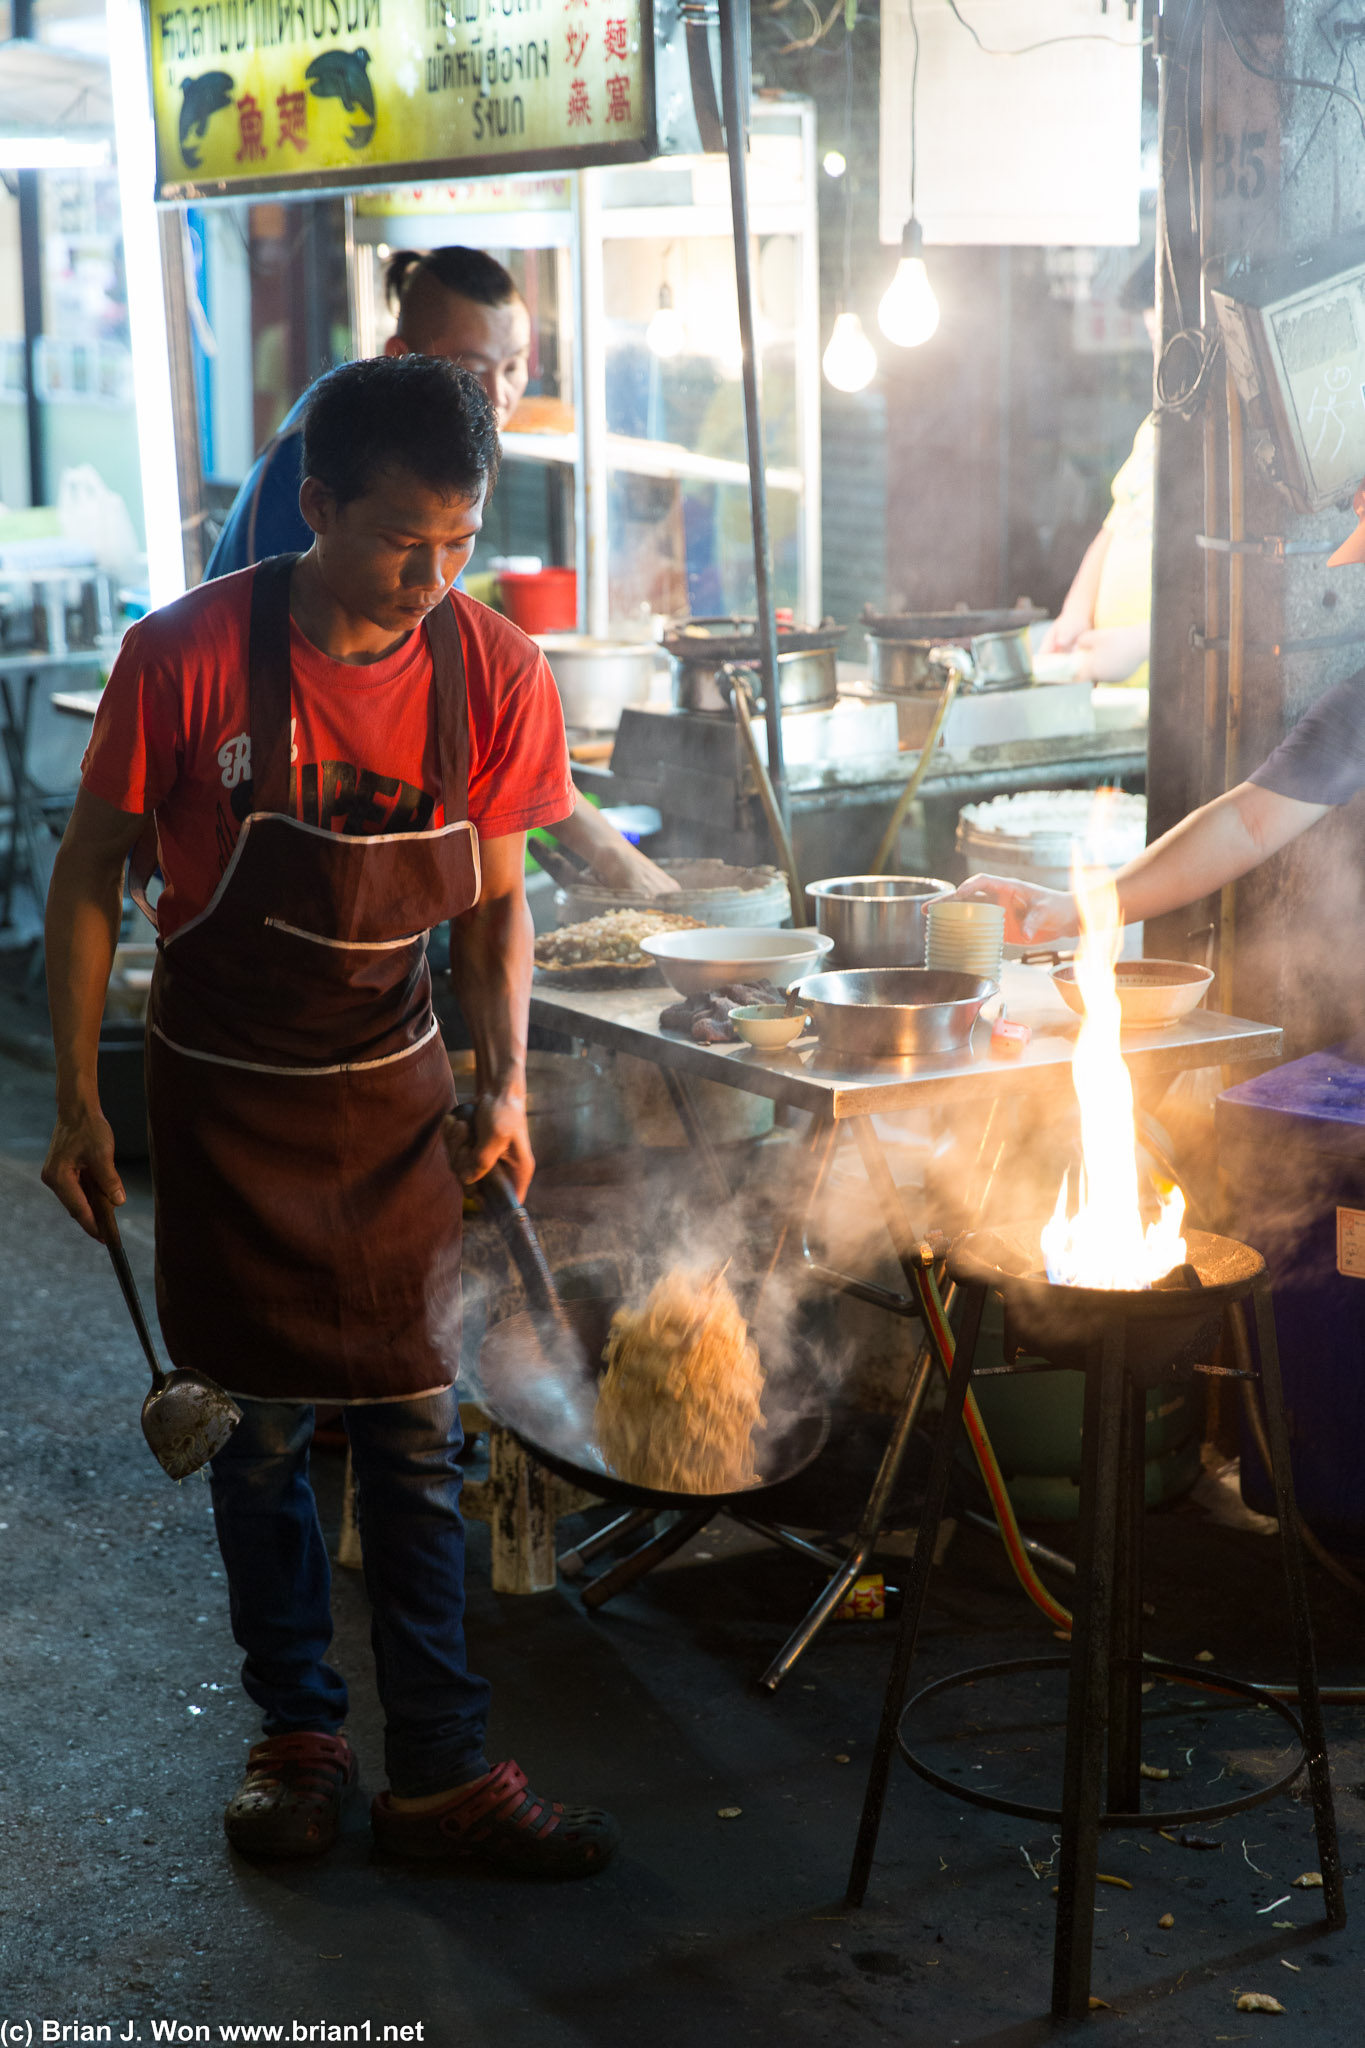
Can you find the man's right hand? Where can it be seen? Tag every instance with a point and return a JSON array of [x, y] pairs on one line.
[[1033, 916], [82, 1149]]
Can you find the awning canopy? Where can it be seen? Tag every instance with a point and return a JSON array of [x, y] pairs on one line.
[[54, 93]]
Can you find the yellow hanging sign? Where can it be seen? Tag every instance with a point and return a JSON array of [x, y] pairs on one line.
[[293, 95]]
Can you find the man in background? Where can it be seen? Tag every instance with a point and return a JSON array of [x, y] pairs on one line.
[[461, 304]]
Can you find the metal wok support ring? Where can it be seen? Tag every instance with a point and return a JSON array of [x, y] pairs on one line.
[[1198, 1675]]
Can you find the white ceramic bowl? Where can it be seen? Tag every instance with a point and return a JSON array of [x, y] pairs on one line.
[[693, 962], [769, 1025], [1151, 992]]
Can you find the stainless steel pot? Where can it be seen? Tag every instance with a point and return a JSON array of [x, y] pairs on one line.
[[913, 665], [875, 920], [596, 679], [894, 1013], [996, 661], [806, 681], [1002, 661], [702, 650]]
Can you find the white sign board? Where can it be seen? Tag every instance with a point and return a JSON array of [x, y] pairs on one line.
[[1016, 145]]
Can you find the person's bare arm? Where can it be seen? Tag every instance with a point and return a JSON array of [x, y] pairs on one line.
[[84, 911], [1110, 654], [490, 967], [1077, 614], [612, 858], [1214, 845]]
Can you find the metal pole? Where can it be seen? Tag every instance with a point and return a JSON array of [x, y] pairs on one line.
[[31, 268], [734, 79], [812, 585], [173, 230], [592, 538], [31, 273]]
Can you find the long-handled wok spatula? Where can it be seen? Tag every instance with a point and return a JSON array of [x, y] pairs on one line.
[[186, 1418]]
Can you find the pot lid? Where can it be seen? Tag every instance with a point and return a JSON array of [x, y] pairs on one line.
[[959, 625], [713, 640]]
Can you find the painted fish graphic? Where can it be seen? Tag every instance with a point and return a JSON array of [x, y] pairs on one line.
[[203, 97], [344, 75]]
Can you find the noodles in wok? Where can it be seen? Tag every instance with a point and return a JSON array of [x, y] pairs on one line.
[[678, 1404]]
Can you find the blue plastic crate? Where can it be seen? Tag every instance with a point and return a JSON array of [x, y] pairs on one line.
[[1293, 1144]]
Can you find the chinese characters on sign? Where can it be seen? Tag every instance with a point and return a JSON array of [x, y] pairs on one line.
[[615, 45], [308, 91]]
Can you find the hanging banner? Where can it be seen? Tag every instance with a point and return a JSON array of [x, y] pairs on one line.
[[301, 95]]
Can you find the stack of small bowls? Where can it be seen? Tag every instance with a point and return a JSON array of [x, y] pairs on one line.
[[966, 937]]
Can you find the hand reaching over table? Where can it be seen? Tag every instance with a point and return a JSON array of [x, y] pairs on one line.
[[1033, 916]]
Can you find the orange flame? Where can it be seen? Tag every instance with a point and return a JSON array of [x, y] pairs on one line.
[[1104, 1244]]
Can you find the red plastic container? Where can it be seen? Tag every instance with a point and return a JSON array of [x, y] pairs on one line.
[[544, 602]]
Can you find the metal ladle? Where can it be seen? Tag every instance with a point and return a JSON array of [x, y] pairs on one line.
[[186, 1418]]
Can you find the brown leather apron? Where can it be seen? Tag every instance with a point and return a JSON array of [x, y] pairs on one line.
[[307, 1218]]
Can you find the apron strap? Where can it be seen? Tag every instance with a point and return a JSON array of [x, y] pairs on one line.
[[269, 692], [452, 708], [268, 682]]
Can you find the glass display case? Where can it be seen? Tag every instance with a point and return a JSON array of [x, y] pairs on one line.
[[626, 456]]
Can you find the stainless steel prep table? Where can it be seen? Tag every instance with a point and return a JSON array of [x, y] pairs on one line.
[[627, 1020]]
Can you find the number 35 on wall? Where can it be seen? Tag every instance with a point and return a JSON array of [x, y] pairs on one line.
[[1239, 167]]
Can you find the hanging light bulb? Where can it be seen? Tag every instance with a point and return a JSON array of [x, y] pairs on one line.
[[908, 313], [666, 334], [849, 361]]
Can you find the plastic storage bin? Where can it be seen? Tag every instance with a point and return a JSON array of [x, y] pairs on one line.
[[1293, 1145], [541, 601]]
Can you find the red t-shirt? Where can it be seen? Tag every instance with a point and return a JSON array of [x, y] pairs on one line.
[[172, 736]]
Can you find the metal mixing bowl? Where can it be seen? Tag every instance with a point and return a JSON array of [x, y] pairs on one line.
[[895, 1012]]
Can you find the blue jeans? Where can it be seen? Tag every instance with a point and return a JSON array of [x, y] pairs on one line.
[[279, 1579]]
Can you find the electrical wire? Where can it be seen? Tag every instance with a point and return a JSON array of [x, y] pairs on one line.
[[1184, 396], [914, 106], [1186, 399], [1118, 42], [847, 293], [1278, 77]]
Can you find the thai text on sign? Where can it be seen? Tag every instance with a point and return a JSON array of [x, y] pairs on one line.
[[268, 93]]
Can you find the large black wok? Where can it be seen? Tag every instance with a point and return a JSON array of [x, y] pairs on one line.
[[537, 1376]]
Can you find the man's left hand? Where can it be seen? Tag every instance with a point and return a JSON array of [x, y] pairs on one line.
[[498, 1136]]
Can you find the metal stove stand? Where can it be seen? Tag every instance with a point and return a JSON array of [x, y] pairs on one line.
[[1123, 1342]]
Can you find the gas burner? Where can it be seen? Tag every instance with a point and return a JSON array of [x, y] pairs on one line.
[[1171, 1325]]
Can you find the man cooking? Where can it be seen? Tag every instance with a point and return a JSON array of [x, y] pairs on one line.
[[463, 305], [334, 751]]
